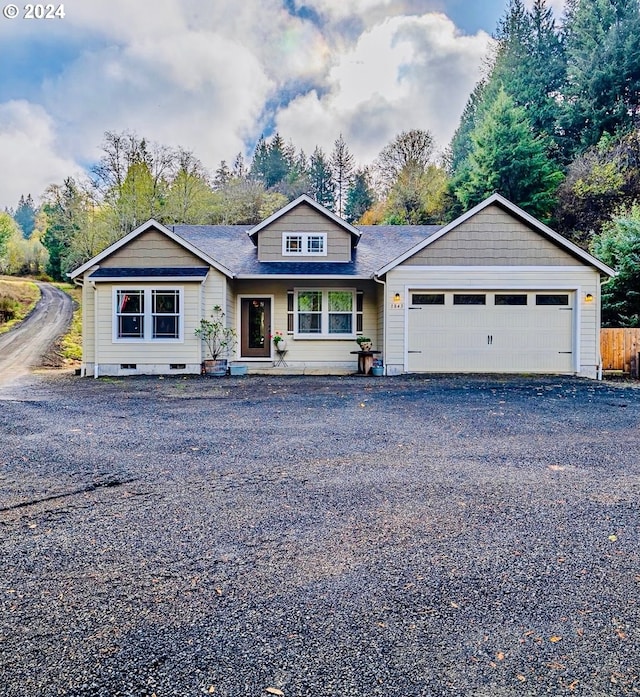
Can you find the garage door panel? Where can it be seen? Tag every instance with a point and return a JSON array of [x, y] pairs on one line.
[[490, 337]]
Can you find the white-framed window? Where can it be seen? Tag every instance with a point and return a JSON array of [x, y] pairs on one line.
[[309, 244], [324, 313], [148, 314]]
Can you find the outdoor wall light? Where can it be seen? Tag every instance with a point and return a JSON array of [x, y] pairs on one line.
[[396, 298], [588, 298]]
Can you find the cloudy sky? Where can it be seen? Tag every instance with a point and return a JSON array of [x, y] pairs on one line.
[[213, 75]]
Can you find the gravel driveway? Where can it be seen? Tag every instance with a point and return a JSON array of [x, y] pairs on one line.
[[319, 536]]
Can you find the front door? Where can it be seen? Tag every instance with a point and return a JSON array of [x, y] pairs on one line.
[[255, 331]]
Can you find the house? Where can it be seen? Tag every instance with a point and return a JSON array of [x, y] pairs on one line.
[[493, 291]]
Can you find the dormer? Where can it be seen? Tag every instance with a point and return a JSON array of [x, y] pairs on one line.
[[304, 231]]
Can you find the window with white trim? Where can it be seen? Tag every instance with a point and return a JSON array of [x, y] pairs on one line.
[[148, 314], [310, 244], [320, 313]]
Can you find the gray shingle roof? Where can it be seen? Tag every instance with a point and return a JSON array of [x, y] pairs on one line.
[[231, 246], [149, 272]]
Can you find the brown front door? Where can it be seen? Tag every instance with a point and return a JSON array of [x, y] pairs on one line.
[[255, 339]]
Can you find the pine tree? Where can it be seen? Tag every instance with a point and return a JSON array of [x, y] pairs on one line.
[[360, 197], [509, 159], [321, 185], [602, 94], [342, 164], [25, 215]]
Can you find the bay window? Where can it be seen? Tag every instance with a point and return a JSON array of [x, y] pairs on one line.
[[321, 313]]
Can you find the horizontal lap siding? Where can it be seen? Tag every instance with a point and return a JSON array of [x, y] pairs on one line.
[[548, 278], [317, 351], [148, 352], [303, 218]]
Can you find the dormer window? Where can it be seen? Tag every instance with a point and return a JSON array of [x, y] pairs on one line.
[[304, 244]]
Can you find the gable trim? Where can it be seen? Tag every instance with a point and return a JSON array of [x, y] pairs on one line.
[[314, 204], [150, 224], [516, 212]]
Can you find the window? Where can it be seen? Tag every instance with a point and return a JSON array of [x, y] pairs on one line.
[[148, 314], [469, 299], [304, 244], [325, 313], [552, 299], [130, 314], [511, 299], [166, 314], [293, 244], [427, 298]]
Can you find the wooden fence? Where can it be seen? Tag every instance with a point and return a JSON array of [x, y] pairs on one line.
[[619, 349]]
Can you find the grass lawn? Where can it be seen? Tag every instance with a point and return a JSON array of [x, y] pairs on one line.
[[71, 342], [17, 298]]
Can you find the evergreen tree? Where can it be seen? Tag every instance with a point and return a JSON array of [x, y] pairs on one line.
[[321, 185], [509, 159], [529, 64], [278, 162], [618, 246], [342, 164], [602, 93], [25, 215], [222, 176], [360, 196]]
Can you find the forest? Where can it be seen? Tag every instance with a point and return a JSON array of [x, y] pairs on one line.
[[554, 126]]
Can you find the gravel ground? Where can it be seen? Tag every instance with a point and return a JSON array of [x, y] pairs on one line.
[[319, 536]]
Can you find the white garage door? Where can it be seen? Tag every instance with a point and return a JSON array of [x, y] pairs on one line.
[[490, 331]]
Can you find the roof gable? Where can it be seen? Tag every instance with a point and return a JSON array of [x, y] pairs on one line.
[[305, 200], [139, 231], [514, 211]]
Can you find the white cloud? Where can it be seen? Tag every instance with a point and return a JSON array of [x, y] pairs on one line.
[[30, 161], [209, 75], [404, 73]]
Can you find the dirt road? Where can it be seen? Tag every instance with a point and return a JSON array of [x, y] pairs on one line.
[[22, 348]]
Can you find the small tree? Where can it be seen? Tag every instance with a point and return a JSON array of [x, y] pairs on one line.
[[218, 338]]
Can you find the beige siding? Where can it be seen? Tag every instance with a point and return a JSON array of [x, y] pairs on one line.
[[585, 278], [152, 248], [303, 352], [150, 356], [492, 238], [88, 322], [304, 218]]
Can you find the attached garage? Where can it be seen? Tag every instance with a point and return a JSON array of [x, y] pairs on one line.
[[506, 331], [495, 291]]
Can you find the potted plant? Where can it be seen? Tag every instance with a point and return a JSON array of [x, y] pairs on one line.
[[279, 342], [365, 343], [219, 340]]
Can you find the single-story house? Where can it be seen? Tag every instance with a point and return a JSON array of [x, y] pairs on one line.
[[494, 291]]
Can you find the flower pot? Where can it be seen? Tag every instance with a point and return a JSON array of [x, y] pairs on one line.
[[281, 346], [377, 370], [238, 370], [216, 367], [366, 346]]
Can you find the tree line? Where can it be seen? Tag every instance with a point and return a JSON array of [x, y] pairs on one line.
[[552, 125]]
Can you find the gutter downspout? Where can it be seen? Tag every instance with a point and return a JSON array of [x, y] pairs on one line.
[[599, 323], [384, 319], [95, 330]]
